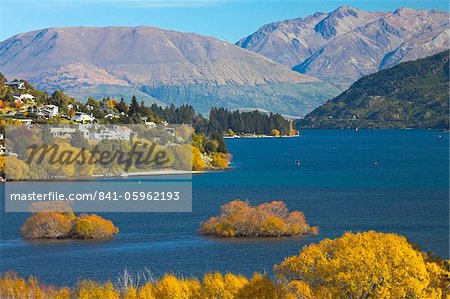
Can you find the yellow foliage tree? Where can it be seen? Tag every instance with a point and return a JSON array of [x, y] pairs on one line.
[[260, 287], [219, 160], [83, 228], [275, 133], [12, 286], [171, 287], [216, 285], [101, 228], [89, 289], [2, 164], [363, 265], [197, 160], [16, 169]]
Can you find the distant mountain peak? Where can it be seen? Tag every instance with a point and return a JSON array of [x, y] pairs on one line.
[[328, 26], [347, 43], [345, 10]]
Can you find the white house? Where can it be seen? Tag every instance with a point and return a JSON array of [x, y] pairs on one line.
[[83, 118], [116, 133], [24, 96], [111, 116], [18, 84], [50, 111]]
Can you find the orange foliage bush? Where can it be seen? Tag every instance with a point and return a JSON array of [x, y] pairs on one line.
[[238, 219], [219, 160], [46, 225], [64, 225]]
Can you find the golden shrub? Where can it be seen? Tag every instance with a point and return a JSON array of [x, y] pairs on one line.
[[12, 286], [197, 160], [46, 225], [219, 160], [238, 219], [364, 265], [61, 225], [89, 289]]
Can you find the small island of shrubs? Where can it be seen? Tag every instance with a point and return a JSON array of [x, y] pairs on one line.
[[65, 225], [239, 219]]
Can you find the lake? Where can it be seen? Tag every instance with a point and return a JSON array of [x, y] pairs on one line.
[[388, 181]]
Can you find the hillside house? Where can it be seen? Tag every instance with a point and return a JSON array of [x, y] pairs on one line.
[[49, 111], [24, 97], [83, 118], [18, 84]]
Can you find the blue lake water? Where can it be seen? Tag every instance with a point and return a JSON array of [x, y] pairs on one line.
[[389, 181]]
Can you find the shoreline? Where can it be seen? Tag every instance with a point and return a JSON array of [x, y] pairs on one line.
[[157, 173], [257, 136], [121, 176]]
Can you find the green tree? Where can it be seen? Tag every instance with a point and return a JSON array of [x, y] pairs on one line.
[[134, 106]]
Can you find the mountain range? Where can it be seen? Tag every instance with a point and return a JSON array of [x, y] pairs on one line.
[[160, 66], [413, 94], [348, 43], [290, 67]]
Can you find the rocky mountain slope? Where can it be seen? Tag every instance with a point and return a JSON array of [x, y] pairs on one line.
[[348, 43], [158, 65], [412, 94]]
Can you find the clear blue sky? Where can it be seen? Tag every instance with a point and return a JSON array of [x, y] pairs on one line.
[[227, 20]]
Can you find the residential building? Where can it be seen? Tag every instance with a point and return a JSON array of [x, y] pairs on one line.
[[24, 96], [50, 111], [83, 118], [18, 84]]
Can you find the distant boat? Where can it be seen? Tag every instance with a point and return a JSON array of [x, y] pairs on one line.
[[297, 162], [356, 129]]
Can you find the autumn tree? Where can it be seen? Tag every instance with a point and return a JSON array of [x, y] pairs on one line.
[[13, 286], [171, 287], [363, 265], [197, 159], [275, 133], [261, 287], [46, 225], [88, 289], [216, 285], [219, 160], [16, 169], [239, 219], [101, 228], [57, 221]]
